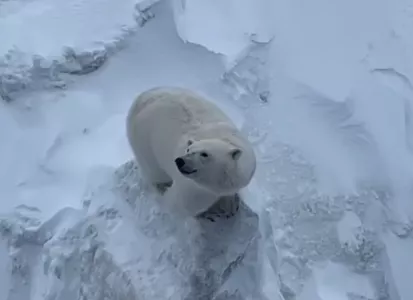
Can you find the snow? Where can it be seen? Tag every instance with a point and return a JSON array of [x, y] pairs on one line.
[[68, 24], [323, 90], [232, 25], [349, 230], [335, 282], [399, 265]]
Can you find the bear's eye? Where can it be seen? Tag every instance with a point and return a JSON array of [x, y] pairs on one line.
[[204, 154]]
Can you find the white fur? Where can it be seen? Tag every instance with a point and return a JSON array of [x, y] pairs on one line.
[[167, 123]]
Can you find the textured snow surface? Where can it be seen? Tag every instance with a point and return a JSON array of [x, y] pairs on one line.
[[121, 245], [232, 26], [41, 39], [322, 89]]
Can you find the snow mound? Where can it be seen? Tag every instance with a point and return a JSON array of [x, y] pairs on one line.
[[55, 37], [122, 245]]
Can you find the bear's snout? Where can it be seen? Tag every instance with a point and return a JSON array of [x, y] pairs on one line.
[[184, 167], [180, 162]]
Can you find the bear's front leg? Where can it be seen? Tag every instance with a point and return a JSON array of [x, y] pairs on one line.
[[163, 186]]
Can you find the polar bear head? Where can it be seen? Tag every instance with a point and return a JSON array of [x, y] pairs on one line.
[[217, 165]]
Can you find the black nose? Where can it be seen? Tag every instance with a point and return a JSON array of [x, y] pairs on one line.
[[180, 162]]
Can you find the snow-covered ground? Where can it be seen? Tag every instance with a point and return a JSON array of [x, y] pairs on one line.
[[322, 88]]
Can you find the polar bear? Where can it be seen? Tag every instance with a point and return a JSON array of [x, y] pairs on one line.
[[188, 149]]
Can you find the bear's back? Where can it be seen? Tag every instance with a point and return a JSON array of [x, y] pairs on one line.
[[193, 107]]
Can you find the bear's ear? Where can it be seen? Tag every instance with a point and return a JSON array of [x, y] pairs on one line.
[[235, 154], [190, 142]]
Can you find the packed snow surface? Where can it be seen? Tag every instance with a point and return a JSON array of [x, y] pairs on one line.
[[323, 89]]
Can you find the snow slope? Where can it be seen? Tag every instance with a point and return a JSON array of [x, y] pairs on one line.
[[323, 89]]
